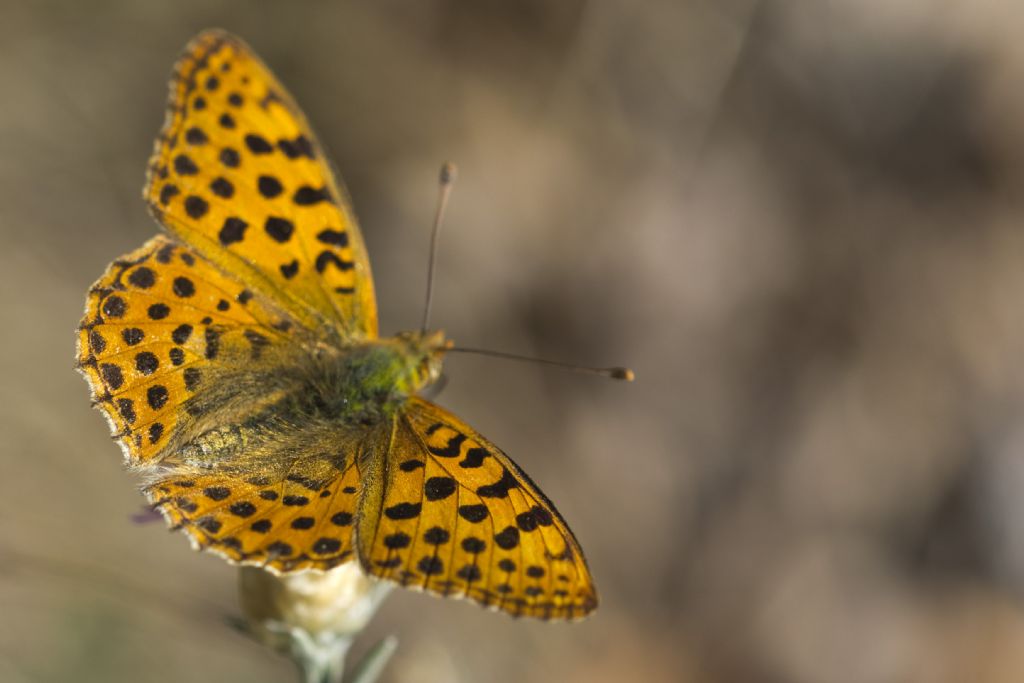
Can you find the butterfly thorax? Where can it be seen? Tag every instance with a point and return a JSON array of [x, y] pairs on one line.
[[342, 389], [369, 381]]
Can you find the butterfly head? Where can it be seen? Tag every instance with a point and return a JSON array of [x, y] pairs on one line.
[[426, 352]]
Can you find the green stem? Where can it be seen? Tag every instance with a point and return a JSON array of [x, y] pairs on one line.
[[372, 665]]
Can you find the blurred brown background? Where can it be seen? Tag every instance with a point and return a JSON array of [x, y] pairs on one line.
[[800, 223]]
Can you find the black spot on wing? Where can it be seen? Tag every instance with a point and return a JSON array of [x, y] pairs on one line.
[[528, 521], [474, 457], [299, 147], [257, 144], [114, 307], [435, 535], [167, 193], [183, 503], [337, 238], [165, 253], [439, 488], [242, 508], [146, 362], [196, 207], [326, 257], [183, 165], [131, 336], [430, 565], [230, 157], [326, 546], [97, 343], [307, 196], [126, 407], [289, 270], [222, 187], [473, 513], [303, 523], [157, 396], [342, 519], [469, 573], [208, 524], [158, 311], [183, 287], [279, 549], [403, 511], [181, 333], [232, 231], [397, 541], [473, 545], [269, 186], [500, 488], [279, 229], [195, 136], [452, 449], [217, 492]]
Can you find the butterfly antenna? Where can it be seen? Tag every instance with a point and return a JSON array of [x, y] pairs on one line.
[[446, 182], [612, 373]]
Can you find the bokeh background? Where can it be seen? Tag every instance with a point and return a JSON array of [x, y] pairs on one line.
[[800, 222]]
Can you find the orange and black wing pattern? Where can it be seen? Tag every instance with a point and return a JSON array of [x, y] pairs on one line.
[[238, 174], [456, 517], [159, 325]]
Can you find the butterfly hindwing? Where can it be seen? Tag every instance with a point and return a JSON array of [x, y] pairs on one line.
[[157, 325], [302, 519], [238, 174], [455, 516]]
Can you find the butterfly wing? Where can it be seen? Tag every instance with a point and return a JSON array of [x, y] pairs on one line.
[[299, 517], [238, 174], [159, 326], [187, 364], [454, 515]]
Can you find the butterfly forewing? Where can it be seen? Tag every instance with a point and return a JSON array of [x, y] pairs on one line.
[[238, 174], [457, 517]]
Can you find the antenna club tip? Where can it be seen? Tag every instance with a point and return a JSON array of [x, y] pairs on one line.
[[622, 373], [449, 172]]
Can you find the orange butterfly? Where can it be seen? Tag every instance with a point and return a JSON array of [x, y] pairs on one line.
[[238, 363]]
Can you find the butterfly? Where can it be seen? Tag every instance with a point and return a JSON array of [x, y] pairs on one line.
[[238, 362]]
